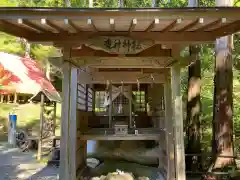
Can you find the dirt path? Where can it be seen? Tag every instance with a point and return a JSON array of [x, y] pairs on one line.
[[16, 165]]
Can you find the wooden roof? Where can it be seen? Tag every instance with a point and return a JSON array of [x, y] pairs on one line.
[[178, 25]]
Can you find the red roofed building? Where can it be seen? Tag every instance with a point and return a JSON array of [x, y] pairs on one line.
[[24, 76]]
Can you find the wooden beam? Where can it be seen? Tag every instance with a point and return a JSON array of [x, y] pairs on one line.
[[142, 70], [228, 29], [122, 62], [152, 25], [14, 30], [55, 13], [152, 51], [87, 51], [52, 25], [131, 137], [132, 26], [118, 77], [112, 24], [155, 50], [172, 25], [92, 25], [76, 28], [147, 63], [210, 25], [191, 25], [160, 37], [34, 26]]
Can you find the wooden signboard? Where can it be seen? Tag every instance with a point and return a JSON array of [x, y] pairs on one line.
[[119, 44]]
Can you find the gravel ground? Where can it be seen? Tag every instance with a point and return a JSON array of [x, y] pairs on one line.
[[16, 165]]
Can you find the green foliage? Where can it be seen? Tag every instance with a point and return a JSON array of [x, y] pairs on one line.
[[173, 3], [80, 3], [138, 3], [8, 3], [10, 44]]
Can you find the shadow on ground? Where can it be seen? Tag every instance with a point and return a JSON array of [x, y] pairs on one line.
[[15, 164]]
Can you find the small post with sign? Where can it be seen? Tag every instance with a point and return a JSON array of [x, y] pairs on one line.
[[12, 129]]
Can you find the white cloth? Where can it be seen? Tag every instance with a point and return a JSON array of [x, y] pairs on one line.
[[116, 91]]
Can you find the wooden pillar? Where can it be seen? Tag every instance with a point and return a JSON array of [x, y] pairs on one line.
[[178, 124], [1, 98], [110, 106], [54, 117], [39, 154], [8, 98], [130, 108], [93, 98], [15, 98], [86, 97], [156, 94], [68, 120], [169, 129]]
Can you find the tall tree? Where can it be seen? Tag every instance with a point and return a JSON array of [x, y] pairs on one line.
[[154, 3], [223, 102], [193, 107], [90, 3], [120, 3], [67, 3]]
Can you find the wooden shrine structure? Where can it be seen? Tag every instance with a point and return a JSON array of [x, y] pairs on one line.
[[121, 46]]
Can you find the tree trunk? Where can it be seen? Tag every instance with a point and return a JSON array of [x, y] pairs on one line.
[[120, 3], [193, 112], [193, 163], [67, 3], [223, 102], [153, 3], [223, 105], [90, 3]]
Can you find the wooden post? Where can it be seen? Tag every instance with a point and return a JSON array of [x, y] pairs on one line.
[[86, 97], [110, 105], [169, 129], [178, 124], [130, 108], [54, 118], [15, 98], [72, 123], [1, 98], [68, 119], [8, 98], [93, 98], [68, 123], [39, 155]]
